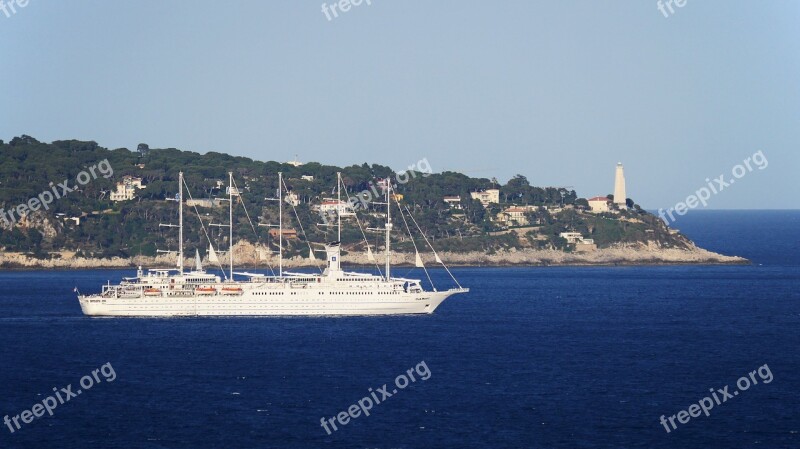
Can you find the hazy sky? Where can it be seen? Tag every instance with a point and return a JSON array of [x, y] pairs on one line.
[[559, 91]]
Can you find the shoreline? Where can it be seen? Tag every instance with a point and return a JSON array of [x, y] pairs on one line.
[[621, 264], [246, 258]]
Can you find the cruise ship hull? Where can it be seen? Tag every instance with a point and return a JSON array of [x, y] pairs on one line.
[[332, 292], [275, 304]]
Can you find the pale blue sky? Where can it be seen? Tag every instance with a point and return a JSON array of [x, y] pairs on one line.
[[559, 91]]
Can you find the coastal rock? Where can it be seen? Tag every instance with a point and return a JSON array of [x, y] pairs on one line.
[[248, 255]]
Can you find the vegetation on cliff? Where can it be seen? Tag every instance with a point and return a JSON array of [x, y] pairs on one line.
[[90, 224]]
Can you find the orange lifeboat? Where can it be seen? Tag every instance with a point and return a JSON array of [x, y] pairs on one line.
[[205, 291], [231, 290], [152, 292]]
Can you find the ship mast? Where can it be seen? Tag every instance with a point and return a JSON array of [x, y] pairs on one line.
[[339, 207], [180, 222], [279, 199], [230, 216], [179, 199], [280, 223], [388, 226]]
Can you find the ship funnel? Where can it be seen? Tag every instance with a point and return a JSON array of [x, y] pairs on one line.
[[334, 256]]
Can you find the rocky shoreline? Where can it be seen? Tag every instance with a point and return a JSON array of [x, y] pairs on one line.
[[247, 256]]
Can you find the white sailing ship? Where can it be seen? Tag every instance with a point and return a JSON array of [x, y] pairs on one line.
[[181, 292]]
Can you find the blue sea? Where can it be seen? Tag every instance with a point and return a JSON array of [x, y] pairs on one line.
[[553, 357]]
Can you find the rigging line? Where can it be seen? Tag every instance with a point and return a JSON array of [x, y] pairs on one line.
[[203, 226], [300, 223], [416, 251], [258, 239], [407, 273], [432, 249], [363, 234]]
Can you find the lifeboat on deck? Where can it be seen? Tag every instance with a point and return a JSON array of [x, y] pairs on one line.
[[207, 291], [152, 292], [231, 291]]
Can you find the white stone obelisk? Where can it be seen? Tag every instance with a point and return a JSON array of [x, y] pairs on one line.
[[619, 187]]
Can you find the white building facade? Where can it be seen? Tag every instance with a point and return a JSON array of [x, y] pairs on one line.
[[126, 190], [599, 204], [487, 196]]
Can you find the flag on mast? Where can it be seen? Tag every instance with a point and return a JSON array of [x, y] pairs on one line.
[[438, 260], [418, 261], [370, 256]]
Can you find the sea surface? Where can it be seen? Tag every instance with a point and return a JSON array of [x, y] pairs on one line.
[[531, 358]]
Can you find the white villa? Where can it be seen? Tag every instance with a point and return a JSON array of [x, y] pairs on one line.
[[513, 215], [516, 215], [487, 196], [330, 205], [577, 239], [295, 162], [453, 201], [599, 204], [126, 190], [292, 199]]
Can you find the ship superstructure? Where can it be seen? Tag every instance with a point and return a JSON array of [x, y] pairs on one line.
[[181, 292]]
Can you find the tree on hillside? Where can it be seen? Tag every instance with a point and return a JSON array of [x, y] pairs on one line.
[[516, 189]]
